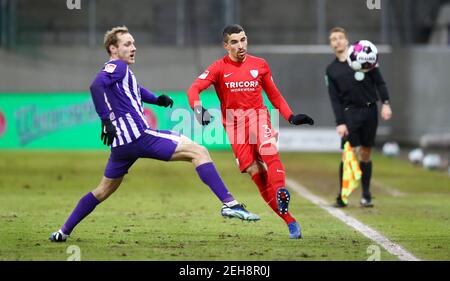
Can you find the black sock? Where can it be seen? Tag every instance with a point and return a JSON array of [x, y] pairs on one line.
[[366, 169], [341, 171]]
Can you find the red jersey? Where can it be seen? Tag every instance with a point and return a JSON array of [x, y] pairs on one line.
[[239, 85]]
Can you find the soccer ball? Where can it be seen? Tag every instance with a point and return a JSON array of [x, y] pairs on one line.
[[391, 149], [432, 161], [362, 56], [415, 156]]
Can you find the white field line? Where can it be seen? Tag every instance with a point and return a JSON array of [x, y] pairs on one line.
[[367, 231], [389, 189]]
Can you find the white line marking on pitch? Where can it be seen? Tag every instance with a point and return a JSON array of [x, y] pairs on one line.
[[389, 189], [370, 233]]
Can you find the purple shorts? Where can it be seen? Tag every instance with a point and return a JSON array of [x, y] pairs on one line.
[[155, 144]]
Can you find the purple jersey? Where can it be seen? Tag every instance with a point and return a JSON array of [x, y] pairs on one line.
[[117, 96]]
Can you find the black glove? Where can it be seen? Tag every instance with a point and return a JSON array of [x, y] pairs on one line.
[[108, 132], [165, 101], [300, 119], [202, 115]]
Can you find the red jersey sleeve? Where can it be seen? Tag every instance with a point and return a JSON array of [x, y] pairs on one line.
[[274, 94], [209, 76]]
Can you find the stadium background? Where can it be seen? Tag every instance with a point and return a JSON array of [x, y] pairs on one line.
[[49, 54], [47, 48]]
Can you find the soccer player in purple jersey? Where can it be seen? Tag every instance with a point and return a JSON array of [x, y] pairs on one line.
[[118, 101]]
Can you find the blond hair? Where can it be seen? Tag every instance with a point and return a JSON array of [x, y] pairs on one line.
[[111, 36], [338, 29]]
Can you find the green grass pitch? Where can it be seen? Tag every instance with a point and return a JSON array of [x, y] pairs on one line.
[[162, 211]]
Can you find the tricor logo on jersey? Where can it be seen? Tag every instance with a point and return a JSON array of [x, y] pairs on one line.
[[242, 86]]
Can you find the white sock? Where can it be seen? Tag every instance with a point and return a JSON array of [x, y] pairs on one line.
[[63, 234], [231, 203]]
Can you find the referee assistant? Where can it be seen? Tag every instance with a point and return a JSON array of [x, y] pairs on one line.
[[355, 108]]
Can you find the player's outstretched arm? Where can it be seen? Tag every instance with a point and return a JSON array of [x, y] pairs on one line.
[[274, 94], [201, 114], [165, 101], [148, 97], [280, 103]]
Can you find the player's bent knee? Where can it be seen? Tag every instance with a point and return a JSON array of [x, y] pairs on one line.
[[202, 153], [185, 140], [254, 169], [106, 187]]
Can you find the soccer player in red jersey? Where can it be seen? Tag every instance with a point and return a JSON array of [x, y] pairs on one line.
[[118, 99], [239, 79]]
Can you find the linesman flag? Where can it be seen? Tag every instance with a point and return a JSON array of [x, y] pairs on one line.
[[351, 175]]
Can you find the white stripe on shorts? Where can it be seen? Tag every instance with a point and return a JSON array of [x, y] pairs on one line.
[[174, 138]]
